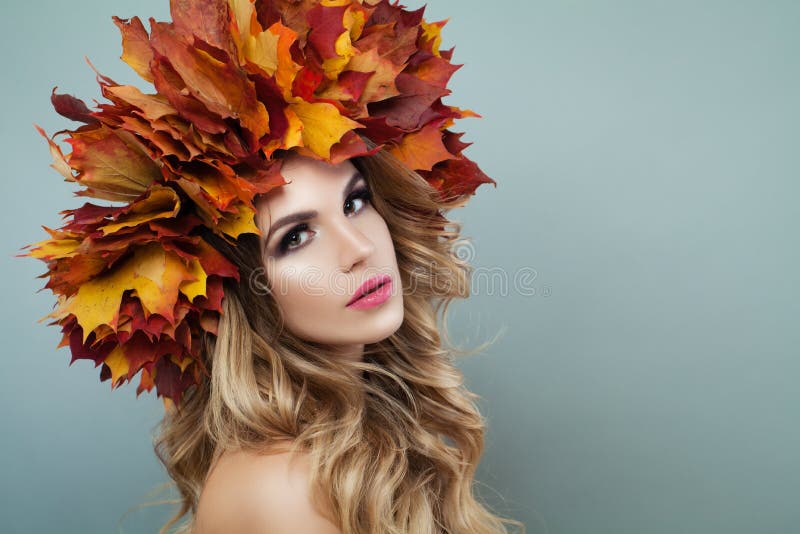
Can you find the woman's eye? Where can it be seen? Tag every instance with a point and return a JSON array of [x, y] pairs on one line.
[[292, 239], [363, 195]]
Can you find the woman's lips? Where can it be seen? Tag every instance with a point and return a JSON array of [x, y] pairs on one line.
[[373, 292]]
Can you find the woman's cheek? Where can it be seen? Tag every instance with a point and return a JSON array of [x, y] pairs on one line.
[[303, 291]]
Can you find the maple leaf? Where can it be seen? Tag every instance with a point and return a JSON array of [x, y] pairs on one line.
[[457, 177], [111, 164], [436, 71], [350, 146], [422, 150], [71, 107], [206, 20], [240, 222], [61, 245], [136, 50], [118, 364], [59, 161], [261, 49], [270, 50], [196, 287], [243, 13], [453, 142], [323, 126], [306, 83]]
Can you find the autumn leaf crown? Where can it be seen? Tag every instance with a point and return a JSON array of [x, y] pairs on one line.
[[235, 81]]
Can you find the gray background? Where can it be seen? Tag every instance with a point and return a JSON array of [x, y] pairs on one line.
[[646, 155]]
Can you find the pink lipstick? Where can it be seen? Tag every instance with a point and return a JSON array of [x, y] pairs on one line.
[[373, 292]]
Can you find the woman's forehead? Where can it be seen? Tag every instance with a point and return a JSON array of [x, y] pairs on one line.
[[309, 179]]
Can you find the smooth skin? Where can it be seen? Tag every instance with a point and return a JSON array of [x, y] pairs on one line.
[[313, 272], [250, 493]]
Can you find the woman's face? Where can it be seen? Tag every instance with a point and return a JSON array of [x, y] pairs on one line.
[[321, 240]]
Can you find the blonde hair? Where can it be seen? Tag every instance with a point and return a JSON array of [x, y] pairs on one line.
[[376, 432]]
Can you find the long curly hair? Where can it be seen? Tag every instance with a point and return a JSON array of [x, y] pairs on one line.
[[393, 440]]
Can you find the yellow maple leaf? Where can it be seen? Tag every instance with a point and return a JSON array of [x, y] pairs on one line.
[[62, 244], [241, 222], [432, 33], [112, 164], [262, 50], [242, 11], [344, 50], [323, 126], [118, 363], [155, 276], [192, 288], [354, 20]]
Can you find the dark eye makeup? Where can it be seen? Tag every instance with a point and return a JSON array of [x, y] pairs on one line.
[[289, 241]]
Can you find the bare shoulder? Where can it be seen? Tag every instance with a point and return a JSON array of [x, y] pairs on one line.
[[247, 492]]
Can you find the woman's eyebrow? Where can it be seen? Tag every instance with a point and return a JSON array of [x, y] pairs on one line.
[[306, 215]]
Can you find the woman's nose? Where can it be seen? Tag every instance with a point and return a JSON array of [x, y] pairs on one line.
[[354, 246]]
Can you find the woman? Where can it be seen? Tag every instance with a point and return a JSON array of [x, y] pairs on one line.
[[279, 265], [384, 423]]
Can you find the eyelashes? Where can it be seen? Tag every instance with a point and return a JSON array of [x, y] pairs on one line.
[[286, 241], [289, 243], [360, 193]]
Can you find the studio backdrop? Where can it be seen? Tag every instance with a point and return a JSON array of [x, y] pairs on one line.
[[637, 264]]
